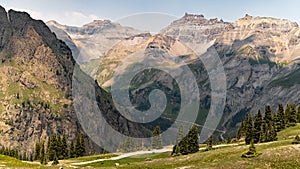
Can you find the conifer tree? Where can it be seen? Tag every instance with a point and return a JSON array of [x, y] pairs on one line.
[[52, 147], [55, 159], [64, 147], [293, 115], [193, 140], [269, 131], [257, 129], [241, 130], [287, 115], [180, 134], [80, 146], [24, 157], [249, 129], [72, 150], [189, 144], [43, 158], [59, 147], [280, 120], [156, 138], [228, 139], [37, 151], [209, 143]]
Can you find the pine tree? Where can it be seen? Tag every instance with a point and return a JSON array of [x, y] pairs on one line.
[[257, 129], [59, 152], [72, 150], [24, 157], [176, 150], [156, 138], [80, 146], [269, 130], [193, 140], [37, 151], [251, 152], [43, 158], [280, 120], [64, 147], [209, 143], [241, 130], [293, 115], [189, 144], [249, 129], [268, 115], [55, 160], [228, 139], [287, 115], [180, 134], [52, 147]]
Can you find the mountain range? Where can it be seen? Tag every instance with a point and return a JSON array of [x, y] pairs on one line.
[[260, 56]]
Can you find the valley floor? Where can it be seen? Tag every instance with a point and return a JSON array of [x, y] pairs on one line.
[[278, 154]]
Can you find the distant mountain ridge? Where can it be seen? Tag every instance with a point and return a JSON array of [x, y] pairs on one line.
[[94, 39]]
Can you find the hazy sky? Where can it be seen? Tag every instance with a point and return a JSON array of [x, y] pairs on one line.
[[79, 12]]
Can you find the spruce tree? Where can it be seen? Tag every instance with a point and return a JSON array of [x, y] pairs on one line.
[[193, 140], [72, 150], [36, 151], [287, 115], [228, 139], [64, 147], [43, 158], [280, 121], [156, 138], [55, 160], [269, 130], [209, 143], [293, 115], [180, 134], [59, 150], [241, 130], [52, 147], [189, 144], [80, 146], [268, 115], [249, 129], [257, 129]]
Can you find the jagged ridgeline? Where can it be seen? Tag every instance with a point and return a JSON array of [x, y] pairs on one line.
[[36, 85]]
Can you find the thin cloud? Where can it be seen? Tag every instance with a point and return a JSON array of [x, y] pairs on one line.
[[77, 18]]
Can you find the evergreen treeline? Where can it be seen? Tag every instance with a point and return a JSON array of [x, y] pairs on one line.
[[16, 154], [264, 128], [129, 145], [58, 149]]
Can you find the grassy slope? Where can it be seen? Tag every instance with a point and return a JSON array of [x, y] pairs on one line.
[[279, 154], [287, 81]]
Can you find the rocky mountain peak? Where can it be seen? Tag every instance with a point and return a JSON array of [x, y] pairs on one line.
[[266, 23], [193, 19], [98, 23]]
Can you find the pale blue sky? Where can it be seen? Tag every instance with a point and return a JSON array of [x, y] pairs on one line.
[[79, 12]]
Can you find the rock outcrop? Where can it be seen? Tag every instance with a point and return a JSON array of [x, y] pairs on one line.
[[36, 74]]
